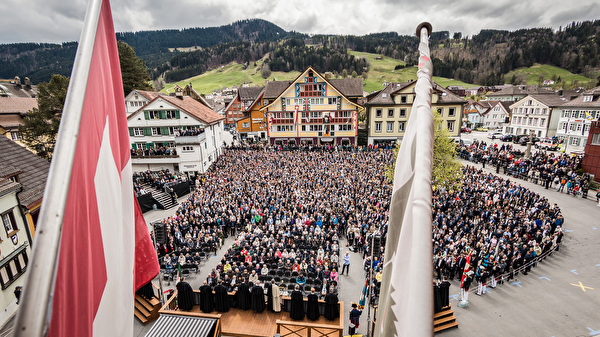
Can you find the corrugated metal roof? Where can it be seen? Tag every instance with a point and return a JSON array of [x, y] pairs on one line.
[[182, 326]]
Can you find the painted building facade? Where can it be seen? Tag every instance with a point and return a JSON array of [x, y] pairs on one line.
[[576, 118]]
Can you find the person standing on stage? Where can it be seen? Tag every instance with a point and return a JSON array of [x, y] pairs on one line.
[[185, 295]]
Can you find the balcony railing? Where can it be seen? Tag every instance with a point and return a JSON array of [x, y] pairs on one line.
[[190, 139]]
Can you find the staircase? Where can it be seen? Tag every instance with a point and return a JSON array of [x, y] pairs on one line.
[[160, 196], [146, 310], [444, 320]]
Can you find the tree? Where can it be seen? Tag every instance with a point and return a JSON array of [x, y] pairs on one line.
[[265, 71], [133, 69], [445, 173], [40, 125], [344, 73]]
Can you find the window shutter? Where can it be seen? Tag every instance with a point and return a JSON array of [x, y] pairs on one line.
[[131, 132], [177, 114], [164, 131], [146, 115], [147, 132], [162, 114]]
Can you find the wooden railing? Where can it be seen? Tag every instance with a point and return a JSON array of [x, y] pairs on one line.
[[171, 306], [303, 329]]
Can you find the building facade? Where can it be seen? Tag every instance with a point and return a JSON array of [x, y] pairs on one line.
[[388, 111], [591, 160], [175, 132], [576, 118], [538, 113], [254, 124], [497, 114], [14, 247], [12, 112], [312, 110]]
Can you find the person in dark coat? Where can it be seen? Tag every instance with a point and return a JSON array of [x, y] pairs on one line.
[[221, 300], [242, 295], [312, 309], [207, 300], [258, 299], [354, 319], [269, 288], [185, 295], [297, 309], [332, 311]]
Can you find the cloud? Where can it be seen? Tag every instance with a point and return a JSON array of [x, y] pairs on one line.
[[59, 20]]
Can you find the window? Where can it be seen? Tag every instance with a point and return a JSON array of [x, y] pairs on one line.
[[391, 113], [138, 132], [378, 113], [390, 126], [451, 112], [155, 131], [303, 127], [332, 100], [402, 112], [401, 126], [586, 128], [171, 130], [16, 135], [403, 99], [8, 220], [153, 115], [596, 139], [535, 121], [14, 267], [588, 98], [441, 111], [377, 126], [171, 114], [311, 90], [450, 125], [245, 125], [187, 148]]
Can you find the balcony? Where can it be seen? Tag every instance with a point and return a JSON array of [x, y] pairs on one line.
[[197, 139]]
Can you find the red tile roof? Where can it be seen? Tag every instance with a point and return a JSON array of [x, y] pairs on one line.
[[195, 108]]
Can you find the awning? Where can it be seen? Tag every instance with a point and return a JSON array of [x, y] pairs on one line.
[[182, 326]]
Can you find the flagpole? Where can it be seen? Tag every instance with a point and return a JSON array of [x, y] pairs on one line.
[[33, 314]]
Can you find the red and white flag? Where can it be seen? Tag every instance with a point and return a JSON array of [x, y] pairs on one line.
[[466, 270], [105, 250]]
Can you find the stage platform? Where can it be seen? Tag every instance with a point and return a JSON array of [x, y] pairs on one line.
[[248, 323]]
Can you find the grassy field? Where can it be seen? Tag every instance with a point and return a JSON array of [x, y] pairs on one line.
[[534, 72], [228, 76]]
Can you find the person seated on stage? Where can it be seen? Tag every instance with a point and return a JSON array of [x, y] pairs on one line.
[[301, 280], [185, 295]]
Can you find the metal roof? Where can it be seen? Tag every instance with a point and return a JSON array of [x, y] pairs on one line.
[[182, 326]]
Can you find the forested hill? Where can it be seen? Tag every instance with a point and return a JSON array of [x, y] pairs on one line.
[[39, 61], [484, 58]]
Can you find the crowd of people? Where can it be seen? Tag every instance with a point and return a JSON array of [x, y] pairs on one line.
[[287, 209], [154, 151], [550, 169], [158, 179]]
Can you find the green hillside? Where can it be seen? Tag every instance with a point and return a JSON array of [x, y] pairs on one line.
[[228, 76], [380, 71], [536, 72]]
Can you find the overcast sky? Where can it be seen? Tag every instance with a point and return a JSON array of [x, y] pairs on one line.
[[61, 20]]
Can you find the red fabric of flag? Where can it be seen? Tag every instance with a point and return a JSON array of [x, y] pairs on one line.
[[104, 234]]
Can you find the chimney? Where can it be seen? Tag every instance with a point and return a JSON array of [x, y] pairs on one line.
[[179, 95], [27, 82], [18, 81], [327, 75]]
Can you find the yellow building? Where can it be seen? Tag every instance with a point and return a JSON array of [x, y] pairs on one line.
[[388, 111], [312, 109]]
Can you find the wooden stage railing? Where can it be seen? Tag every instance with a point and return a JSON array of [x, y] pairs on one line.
[[303, 329]]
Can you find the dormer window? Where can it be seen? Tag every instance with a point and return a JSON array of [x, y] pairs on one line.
[[588, 98]]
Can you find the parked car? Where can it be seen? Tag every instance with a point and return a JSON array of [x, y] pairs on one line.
[[506, 138], [517, 139], [482, 129], [465, 130], [524, 140], [495, 135], [547, 144]]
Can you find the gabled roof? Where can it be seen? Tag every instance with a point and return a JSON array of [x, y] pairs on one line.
[[579, 100], [7, 186], [34, 170], [548, 99], [447, 96], [10, 89], [19, 105], [508, 91], [195, 108], [349, 87], [249, 93], [275, 88], [377, 97], [150, 95]]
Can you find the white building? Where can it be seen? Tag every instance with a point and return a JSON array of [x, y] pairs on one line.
[[496, 114], [175, 132], [576, 118], [14, 247], [538, 113]]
